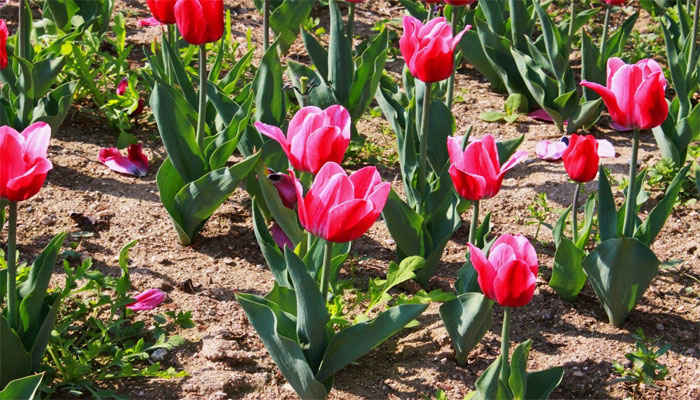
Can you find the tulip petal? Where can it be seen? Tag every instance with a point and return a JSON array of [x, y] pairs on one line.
[[522, 249], [550, 151], [328, 145], [364, 181], [610, 101], [28, 184], [651, 107], [350, 220], [485, 270], [11, 166], [147, 300], [514, 284], [614, 63], [135, 164], [469, 186], [605, 149]]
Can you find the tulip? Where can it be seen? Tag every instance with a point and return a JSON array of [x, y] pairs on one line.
[[135, 163], [147, 300], [200, 21], [4, 33], [635, 93], [286, 188], [122, 86], [162, 10], [614, 2], [24, 164], [508, 275], [341, 208], [428, 49], [314, 137], [459, 3], [581, 158]]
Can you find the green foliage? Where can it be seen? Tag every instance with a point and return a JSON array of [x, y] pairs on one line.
[[661, 175], [514, 106], [22, 388], [539, 210], [643, 366], [97, 340]]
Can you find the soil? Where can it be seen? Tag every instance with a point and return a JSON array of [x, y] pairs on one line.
[[224, 357]]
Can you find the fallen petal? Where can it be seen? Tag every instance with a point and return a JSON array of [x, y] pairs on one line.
[[149, 22], [135, 164]]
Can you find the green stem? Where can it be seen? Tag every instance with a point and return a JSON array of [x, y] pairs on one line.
[[351, 23], [451, 80], [631, 206], [693, 57], [166, 61], [574, 210], [572, 20], [604, 39], [266, 24], [22, 35], [475, 222], [201, 118], [423, 155], [505, 343], [12, 266], [326, 268]]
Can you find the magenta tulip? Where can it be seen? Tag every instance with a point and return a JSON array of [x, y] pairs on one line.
[[286, 188], [508, 275], [162, 10], [476, 172], [23, 165], [147, 300], [339, 208], [581, 158], [428, 49], [459, 3], [122, 86], [635, 93], [4, 33], [200, 21], [314, 137], [614, 2], [135, 163]]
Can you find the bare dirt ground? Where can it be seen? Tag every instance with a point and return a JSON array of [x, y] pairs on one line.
[[223, 355]]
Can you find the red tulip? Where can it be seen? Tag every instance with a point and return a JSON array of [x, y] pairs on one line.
[[508, 275], [635, 93], [286, 188], [314, 137], [476, 172], [614, 2], [200, 21], [147, 300], [23, 162], [339, 208], [459, 3], [581, 158], [122, 86], [4, 33], [428, 49], [135, 163], [162, 10]]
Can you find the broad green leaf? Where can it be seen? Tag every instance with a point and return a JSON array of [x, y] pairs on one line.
[[43, 334], [286, 21], [467, 318], [492, 116], [269, 95], [487, 384], [540, 384], [507, 148], [585, 231], [15, 361], [367, 74], [169, 184], [404, 224], [607, 212], [318, 55], [22, 389], [568, 277], [620, 270], [518, 365], [340, 64], [397, 274], [354, 342], [273, 255]]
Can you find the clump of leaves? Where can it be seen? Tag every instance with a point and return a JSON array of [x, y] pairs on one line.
[[661, 175], [514, 106], [643, 366], [539, 210], [96, 339]]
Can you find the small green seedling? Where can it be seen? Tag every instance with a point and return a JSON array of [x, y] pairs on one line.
[[515, 105], [643, 366]]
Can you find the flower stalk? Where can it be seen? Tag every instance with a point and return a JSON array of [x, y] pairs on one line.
[[201, 117], [604, 39], [574, 211], [505, 343], [351, 22], [475, 222], [631, 206], [12, 265], [423, 155], [325, 269], [266, 25]]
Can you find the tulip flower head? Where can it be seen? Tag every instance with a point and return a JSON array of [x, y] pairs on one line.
[[476, 172], [4, 33], [340, 208], [135, 163], [286, 188], [581, 158], [615, 2], [147, 300], [635, 93], [428, 49], [200, 21], [314, 137], [508, 275], [122, 86], [23, 162], [162, 10]]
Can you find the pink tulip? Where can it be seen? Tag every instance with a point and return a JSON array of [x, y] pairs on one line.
[[4, 33], [147, 300], [476, 172], [23, 162], [428, 49], [339, 208], [286, 188], [635, 93], [122, 86], [508, 275], [314, 137], [135, 163]]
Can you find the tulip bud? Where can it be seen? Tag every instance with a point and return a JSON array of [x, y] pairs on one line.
[[581, 158], [286, 188]]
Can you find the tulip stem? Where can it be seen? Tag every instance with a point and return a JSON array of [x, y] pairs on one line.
[[572, 22], [266, 25], [631, 203], [574, 210], [351, 22], [505, 344], [325, 269], [604, 39], [693, 57], [22, 33], [423, 156], [12, 265], [475, 222], [202, 95], [451, 80]]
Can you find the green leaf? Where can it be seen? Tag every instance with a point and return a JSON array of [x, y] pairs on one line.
[[467, 318], [312, 315], [540, 384], [15, 361], [273, 255], [286, 353], [354, 342], [492, 116], [340, 64], [270, 107], [398, 273], [518, 364], [585, 231], [22, 389], [286, 21], [41, 339], [367, 74], [487, 384], [607, 212], [169, 184], [404, 224], [506, 148], [620, 270], [318, 55], [286, 218], [568, 277]]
